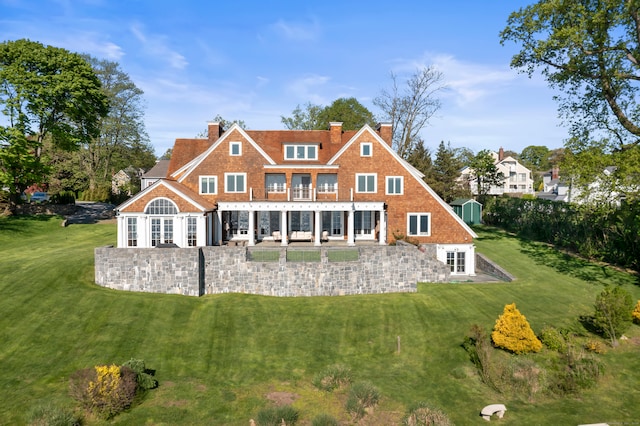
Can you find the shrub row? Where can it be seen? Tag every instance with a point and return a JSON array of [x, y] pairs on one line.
[[606, 233]]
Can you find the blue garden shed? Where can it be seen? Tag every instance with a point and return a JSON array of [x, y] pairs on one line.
[[469, 210]]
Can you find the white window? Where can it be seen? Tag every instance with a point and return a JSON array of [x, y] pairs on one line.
[[208, 184], [161, 206], [419, 224], [366, 182], [366, 149], [235, 148], [132, 232], [235, 182], [395, 185], [301, 152]]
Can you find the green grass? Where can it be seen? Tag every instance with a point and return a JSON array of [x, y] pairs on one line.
[[218, 357], [303, 255], [343, 255]]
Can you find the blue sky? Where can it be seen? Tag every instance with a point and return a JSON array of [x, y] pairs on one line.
[[258, 60]]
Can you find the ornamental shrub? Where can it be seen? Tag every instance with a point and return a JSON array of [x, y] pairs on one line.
[[553, 339], [636, 313], [332, 377], [275, 416], [421, 414], [613, 310], [106, 389], [362, 396], [51, 415], [324, 420], [513, 333]]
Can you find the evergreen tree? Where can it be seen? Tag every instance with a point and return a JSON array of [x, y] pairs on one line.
[[420, 158], [513, 332], [446, 169]]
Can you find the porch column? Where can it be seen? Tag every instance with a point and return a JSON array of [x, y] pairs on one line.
[[316, 229], [283, 228], [251, 230], [217, 235], [382, 232], [350, 236]]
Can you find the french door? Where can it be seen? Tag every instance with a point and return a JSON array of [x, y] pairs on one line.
[[161, 230]]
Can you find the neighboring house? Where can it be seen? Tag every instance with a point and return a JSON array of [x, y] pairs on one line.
[[518, 179], [600, 190], [554, 187], [123, 180], [159, 171], [469, 210], [321, 186]]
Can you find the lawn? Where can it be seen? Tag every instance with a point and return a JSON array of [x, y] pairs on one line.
[[218, 358]]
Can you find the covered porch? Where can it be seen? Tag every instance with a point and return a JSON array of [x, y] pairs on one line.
[[290, 222]]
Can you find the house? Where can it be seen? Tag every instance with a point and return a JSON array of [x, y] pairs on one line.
[[157, 172], [517, 181], [279, 186], [124, 179], [469, 210], [554, 187]]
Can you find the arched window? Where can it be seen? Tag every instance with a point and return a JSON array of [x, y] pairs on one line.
[[161, 206]]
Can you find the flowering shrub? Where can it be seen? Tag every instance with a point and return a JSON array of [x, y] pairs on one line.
[[106, 389], [636, 313], [513, 333]]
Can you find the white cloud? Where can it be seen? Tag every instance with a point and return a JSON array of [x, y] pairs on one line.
[[297, 31], [309, 89], [156, 46]]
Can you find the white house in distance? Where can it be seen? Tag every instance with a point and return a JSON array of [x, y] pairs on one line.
[[518, 180]]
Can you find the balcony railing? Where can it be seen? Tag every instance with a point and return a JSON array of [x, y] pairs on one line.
[[305, 193]]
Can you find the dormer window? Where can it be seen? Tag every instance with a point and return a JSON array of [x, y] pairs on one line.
[[301, 152], [235, 149]]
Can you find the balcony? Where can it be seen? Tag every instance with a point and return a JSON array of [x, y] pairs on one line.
[[303, 193]]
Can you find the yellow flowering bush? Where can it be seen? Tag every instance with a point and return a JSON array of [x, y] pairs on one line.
[[513, 333], [106, 389], [636, 313]]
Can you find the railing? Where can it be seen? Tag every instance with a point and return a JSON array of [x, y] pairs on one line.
[[302, 193], [323, 193]]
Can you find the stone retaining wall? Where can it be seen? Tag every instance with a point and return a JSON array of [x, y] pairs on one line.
[[212, 270], [483, 263]]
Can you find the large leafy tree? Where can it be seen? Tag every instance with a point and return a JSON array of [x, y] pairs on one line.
[[536, 158], [590, 51], [123, 140], [351, 113], [410, 108], [45, 93], [485, 173]]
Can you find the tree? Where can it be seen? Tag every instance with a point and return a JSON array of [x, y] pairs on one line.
[[420, 158], [446, 170], [536, 158], [590, 51], [303, 119], [485, 173], [351, 113], [513, 332], [612, 315], [224, 123], [45, 92], [122, 141], [410, 109]]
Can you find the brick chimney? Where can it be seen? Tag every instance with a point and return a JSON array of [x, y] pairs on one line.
[[214, 130], [555, 172], [335, 132], [501, 154], [385, 130]]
